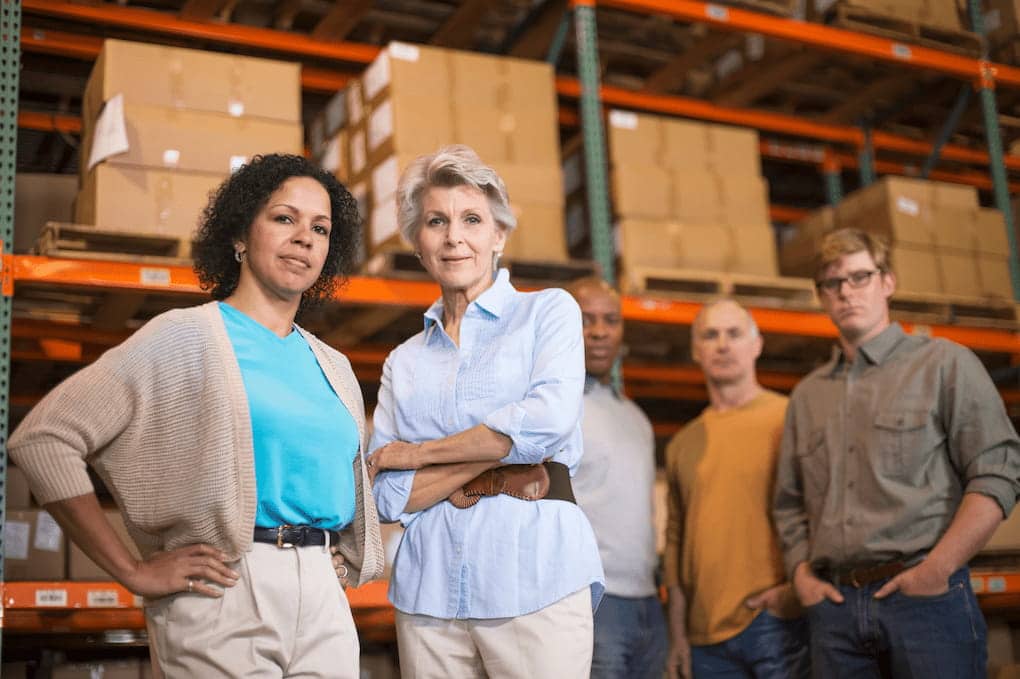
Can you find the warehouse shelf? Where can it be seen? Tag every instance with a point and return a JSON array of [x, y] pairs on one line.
[[63, 606], [30, 269]]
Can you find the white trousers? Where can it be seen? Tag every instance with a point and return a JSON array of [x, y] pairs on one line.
[[554, 643], [287, 616]]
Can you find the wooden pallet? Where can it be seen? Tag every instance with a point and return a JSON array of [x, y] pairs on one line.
[[771, 291], [78, 241], [784, 8], [868, 20], [954, 309]]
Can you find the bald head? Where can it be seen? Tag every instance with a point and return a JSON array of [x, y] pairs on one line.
[[726, 343], [602, 324], [707, 309]]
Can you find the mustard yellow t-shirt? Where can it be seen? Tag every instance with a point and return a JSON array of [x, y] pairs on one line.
[[721, 547]]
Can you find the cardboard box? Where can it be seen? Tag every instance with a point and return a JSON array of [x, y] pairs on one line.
[[81, 568], [954, 228], [671, 244], [995, 277], [542, 184], [743, 199], [179, 78], [540, 234], [959, 274], [990, 233], [40, 198], [634, 139], [647, 192], [1006, 537], [733, 151], [684, 145], [16, 493], [697, 197], [414, 69], [195, 141], [162, 202], [898, 209], [917, 269], [34, 546], [754, 250], [399, 124]]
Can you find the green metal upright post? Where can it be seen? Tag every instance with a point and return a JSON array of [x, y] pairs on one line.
[[594, 137], [833, 173], [986, 89], [866, 156], [10, 60], [559, 39]]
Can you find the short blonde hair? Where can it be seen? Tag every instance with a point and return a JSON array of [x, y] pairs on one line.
[[842, 242], [455, 165]]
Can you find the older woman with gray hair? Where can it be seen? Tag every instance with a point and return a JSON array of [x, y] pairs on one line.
[[477, 433]]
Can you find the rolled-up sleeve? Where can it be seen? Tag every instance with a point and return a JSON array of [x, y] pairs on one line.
[[540, 423], [982, 441], [392, 488], [788, 510]]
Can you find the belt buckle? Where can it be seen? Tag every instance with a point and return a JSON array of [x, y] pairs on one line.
[[280, 544], [853, 578]]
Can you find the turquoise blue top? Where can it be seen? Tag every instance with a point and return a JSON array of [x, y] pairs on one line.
[[305, 439]]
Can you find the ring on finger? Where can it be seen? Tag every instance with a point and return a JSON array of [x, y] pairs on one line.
[[342, 571], [191, 584]]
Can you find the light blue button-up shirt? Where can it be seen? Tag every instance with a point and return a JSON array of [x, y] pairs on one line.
[[519, 370]]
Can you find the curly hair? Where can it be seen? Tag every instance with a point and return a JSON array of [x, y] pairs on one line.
[[233, 207]]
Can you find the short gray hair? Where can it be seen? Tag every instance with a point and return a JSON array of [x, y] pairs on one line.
[[752, 325], [455, 165]]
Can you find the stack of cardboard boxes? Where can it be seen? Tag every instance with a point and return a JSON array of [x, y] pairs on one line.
[[940, 240], [163, 126], [412, 100], [689, 195]]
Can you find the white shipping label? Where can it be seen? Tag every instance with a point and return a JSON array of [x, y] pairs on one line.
[[380, 125], [102, 598], [171, 158], [384, 180], [152, 276], [404, 51], [908, 206], [109, 134], [376, 76], [16, 540], [625, 120], [48, 536], [54, 598]]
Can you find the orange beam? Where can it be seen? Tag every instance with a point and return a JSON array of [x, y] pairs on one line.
[[822, 37], [774, 122], [786, 213], [231, 34], [49, 122]]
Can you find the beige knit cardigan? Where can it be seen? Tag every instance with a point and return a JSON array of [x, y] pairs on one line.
[[163, 419]]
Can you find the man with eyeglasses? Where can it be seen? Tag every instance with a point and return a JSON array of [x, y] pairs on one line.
[[898, 461]]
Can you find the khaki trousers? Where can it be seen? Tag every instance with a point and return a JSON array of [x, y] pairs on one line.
[[287, 616], [554, 642]]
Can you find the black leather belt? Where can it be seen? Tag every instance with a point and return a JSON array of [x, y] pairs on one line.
[[861, 575], [285, 537]]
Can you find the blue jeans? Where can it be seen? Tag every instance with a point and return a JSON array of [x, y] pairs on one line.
[[770, 648], [630, 639], [900, 636]]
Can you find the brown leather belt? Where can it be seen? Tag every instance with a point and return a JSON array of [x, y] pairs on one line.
[[546, 481], [861, 575]]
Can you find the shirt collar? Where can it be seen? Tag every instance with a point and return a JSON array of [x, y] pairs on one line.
[[591, 383], [492, 300], [876, 350]]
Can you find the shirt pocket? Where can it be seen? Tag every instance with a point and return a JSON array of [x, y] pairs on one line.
[[814, 467], [900, 439]]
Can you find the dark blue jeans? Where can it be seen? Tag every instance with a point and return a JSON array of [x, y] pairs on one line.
[[900, 637], [770, 648], [630, 639]]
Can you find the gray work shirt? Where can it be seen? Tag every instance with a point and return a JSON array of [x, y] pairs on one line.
[[878, 452]]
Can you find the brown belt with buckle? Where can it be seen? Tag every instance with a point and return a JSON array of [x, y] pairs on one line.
[[546, 481], [859, 576]]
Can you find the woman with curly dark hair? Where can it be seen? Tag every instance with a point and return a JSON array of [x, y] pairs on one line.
[[233, 442]]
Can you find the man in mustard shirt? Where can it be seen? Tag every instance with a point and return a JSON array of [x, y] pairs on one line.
[[731, 611]]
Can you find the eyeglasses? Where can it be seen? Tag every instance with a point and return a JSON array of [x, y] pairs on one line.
[[856, 279]]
